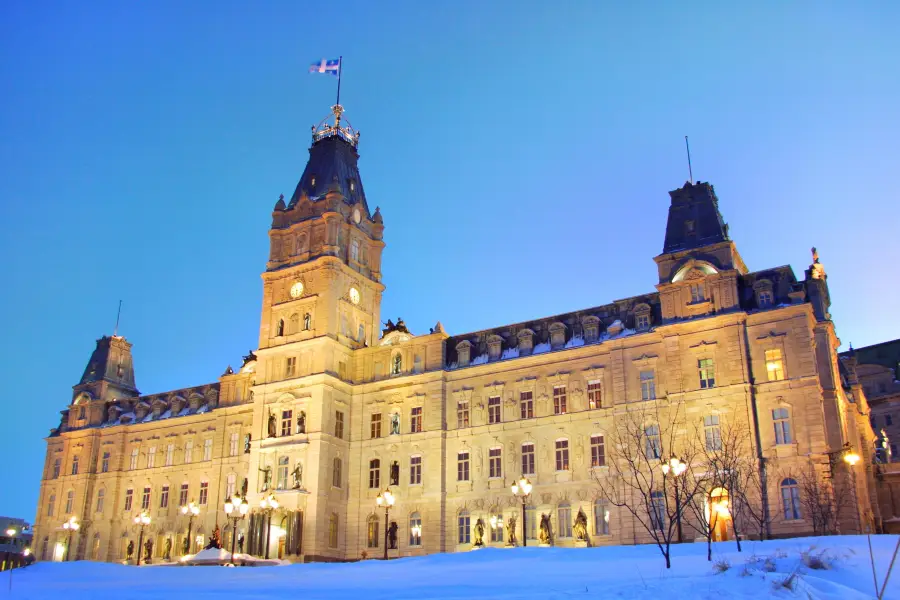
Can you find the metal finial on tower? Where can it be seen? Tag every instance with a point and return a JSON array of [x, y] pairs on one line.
[[118, 314], [690, 170]]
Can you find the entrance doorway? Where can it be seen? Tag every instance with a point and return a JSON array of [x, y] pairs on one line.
[[719, 514]]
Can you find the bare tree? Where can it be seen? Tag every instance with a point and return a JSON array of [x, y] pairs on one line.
[[643, 440], [822, 501]]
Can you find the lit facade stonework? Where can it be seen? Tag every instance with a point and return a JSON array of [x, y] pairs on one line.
[[331, 409]]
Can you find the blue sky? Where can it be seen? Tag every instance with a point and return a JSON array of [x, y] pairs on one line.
[[521, 154]]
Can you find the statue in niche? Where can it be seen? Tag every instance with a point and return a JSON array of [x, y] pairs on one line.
[[129, 551], [301, 422], [395, 423], [297, 476], [247, 440], [395, 473], [479, 533], [511, 531], [271, 424], [240, 542], [167, 553], [544, 533], [266, 478], [307, 322], [392, 535], [580, 527], [148, 550]]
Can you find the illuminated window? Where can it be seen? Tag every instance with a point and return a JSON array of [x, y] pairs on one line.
[[559, 400], [774, 364], [336, 473], [598, 451], [230, 485], [497, 532], [462, 414], [790, 499], [494, 409], [129, 497], [564, 521], [287, 422], [372, 529], [594, 397], [528, 459], [204, 492], [652, 448], [151, 457], [601, 518], [101, 496], [415, 470], [374, 474], [375, 426], [170, 455], [562, 455], [706, 369], [281, 480], [164, 497], [463, 527], [415, 420], [339, 424], [207, 449], [782, 421], [415, 529], [648, 385], [495, 462], [712, 432], [145, 498], [526, 405], [462, 466], [531, 521]]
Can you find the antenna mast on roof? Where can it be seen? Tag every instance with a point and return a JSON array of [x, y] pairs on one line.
[[118, 314], [690, 171]]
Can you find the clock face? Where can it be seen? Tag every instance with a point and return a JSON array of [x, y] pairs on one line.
[[297, 289], [356, 216], [354, 295]]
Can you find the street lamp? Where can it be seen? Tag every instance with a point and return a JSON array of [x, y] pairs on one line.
[[851, 458], [522, 489], [386, 499], [677, 468], [268, 504], [193, 510], [70, 526], [142, 520], [237, 506], [11, 533]]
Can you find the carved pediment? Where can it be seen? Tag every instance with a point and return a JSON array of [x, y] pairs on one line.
[[704, 344]]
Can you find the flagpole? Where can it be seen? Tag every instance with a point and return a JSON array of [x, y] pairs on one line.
[[340, 70]]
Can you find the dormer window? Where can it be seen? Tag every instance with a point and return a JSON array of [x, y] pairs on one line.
[[463, 353], [495, 346], [765, 298], [642, 317], [526, 341], [591, 327], [81, 413], [557, 335]]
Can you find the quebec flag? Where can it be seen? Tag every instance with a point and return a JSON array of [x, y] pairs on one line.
[[327, 66]]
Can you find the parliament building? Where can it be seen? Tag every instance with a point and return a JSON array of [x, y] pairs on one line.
[[332, 408]]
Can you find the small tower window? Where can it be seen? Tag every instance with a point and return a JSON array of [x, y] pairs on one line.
[[312, 181], [307, 321], [279, 330], [352, 185]]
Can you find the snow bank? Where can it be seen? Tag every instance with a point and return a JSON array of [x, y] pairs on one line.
[[620, 572]]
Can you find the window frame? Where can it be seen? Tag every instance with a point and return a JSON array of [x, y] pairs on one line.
[[562, 455], [463, 473], [528, 458]]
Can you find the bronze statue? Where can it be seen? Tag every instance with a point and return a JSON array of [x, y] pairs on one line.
[[580, 528], [395, 473], [271, 425], [297, 475], [267, 478], [511, 531], [240, 542], [148, 550], [129, 551], [479, 533], [301, 422], [167, 554], [544, 534], [244, 485], [392, 535]]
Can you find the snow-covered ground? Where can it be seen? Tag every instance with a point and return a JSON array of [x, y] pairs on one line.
[[623, 572]]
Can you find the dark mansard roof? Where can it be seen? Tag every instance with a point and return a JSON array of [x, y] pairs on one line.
[[332, 164]]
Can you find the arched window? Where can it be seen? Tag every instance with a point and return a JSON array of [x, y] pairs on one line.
[[372, 530], [279, 330], [564, 520], [307, 322], [415, 529], [790, 498], [463, 526], [95, 547], [295, 323], [396, 364], [336, 473]]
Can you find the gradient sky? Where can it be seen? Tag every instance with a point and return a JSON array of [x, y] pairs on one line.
[[521, 154]]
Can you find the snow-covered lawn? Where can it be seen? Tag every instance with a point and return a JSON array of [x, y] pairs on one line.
[[623, 572]]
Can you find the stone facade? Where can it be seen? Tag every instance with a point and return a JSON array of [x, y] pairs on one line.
[[327, 413]]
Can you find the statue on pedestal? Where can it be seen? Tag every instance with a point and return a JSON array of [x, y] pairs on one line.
[[544, 533], [297, 475], [580, 528], [148, 551], [511, 531], [167, 553], [479, 533], [395, 423], [301, 422], [395, 473], [392, 535], [240, 542], [271, 425], [129, 551]]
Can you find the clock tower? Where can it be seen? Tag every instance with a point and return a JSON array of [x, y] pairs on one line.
[[321, 302]]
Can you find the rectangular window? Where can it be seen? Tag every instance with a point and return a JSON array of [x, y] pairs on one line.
[[463, 528], [648, 385], [707, 372], [496, 532], [562, 455], [75, 465], [104, 465], [415, 470], [57, 465], [282, 476], [133, 462], [145, 498], [559, 400], [653, 448], [494, 409], [51, 505], [230, 485], [593, 391], [290, 366], [601, 518], [528, 459], [888, 421], [129, 497], [774, 364], [183, 495], [658, 510], [642, 322], [598, 451], [189, 452], [204, 492], [372, 529], [462, 414], [415, 420], [151, 457], [101, 496], [339, 424], [374, 474], [495, 462], [782, 422], [531, 519], [336, 473], [333, 531], [207, 449], [765, 299], [462, 466], [564, 521], [287, 422], [70, 501], [164, 497], [526, 405], [170, 455], [697, 294], [375, 426], [233, 443], [712, 432]]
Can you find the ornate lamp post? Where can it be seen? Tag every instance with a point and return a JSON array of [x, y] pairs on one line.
[[677, 468], [193, 510], [268, 505], [522, 489], [235, 509], [386, 499], [70, 526], [142, 520], [11, 533]]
